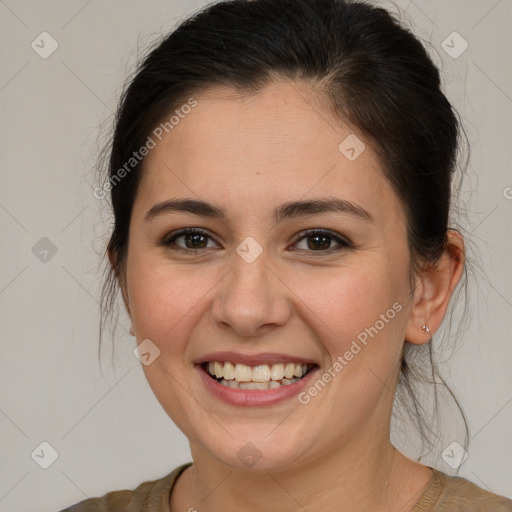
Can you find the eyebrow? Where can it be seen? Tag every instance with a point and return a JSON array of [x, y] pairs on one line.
[[288, 210]]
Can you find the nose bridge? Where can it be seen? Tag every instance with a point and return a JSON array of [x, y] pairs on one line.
[[250, 296], [248, 284]]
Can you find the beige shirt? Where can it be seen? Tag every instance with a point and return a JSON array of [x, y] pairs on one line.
[[443, 494]]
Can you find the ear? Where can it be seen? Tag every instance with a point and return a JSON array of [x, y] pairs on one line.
[[434, 288], [112, 258]]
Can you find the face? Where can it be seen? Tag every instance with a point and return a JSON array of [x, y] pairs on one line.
[[253, 284]]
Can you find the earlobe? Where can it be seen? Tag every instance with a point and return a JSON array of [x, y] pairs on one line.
[[418, 332], [434, 290]]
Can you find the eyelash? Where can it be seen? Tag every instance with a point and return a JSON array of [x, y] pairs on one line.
[[343, 243]]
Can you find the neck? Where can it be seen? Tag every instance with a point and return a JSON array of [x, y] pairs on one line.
[[367, 476]]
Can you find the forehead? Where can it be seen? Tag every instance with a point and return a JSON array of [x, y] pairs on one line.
[[285, 119], [263, 149]]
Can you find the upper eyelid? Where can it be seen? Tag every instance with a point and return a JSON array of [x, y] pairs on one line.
[[185, 231], [343, 241]]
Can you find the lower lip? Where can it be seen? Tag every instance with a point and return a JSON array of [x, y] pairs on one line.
[[254, 397]]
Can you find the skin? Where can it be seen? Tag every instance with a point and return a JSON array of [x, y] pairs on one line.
[[248, 155]]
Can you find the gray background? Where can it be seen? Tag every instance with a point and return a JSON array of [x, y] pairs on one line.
[[104, 423]]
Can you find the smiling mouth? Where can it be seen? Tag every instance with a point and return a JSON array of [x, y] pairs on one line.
[[261, 377]]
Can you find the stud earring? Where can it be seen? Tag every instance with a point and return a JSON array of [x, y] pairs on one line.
[[425, 329]]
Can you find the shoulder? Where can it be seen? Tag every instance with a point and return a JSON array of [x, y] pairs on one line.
[[149, 496], [447, 493]]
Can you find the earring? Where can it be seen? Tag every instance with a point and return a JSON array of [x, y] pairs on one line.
[[425, 329]]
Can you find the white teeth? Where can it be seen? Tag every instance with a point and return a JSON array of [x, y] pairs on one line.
[[242, 373], [229, 371], [277, 371], [289, 370], [257, 385], [253, 385], [218, 369], [263, 373]]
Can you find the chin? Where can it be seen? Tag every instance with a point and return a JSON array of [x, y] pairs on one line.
[[258, 452]]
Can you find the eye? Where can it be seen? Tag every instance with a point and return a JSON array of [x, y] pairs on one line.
[[320, 239], [196, 239]]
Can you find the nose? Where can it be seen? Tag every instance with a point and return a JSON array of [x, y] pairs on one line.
[[252, 298]]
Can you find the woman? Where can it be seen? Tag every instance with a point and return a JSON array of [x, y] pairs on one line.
[[280, 176]]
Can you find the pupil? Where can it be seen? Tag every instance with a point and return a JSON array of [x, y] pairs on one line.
[[316, 238], [194, 237]]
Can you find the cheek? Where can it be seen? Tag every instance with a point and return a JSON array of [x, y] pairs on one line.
[[348, 300], [165, 299]]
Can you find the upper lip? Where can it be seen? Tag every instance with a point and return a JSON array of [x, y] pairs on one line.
[[252, 359]]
